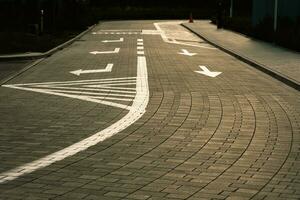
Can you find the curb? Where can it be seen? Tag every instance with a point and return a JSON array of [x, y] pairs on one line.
[[288, 81], [2, 82], [47, 53], [40, 56]]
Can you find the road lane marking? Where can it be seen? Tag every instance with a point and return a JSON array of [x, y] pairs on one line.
[[119, 30], [99, 88], [80, 91], [121, 88], [151, 32], [119, 40], [206, 72], [186, 52], [140, 47], [108, 68], [136, 111], [63, 93], [170, 39], [113, 32], [111, 98], [85, 93], [105, 52], [80, 81]]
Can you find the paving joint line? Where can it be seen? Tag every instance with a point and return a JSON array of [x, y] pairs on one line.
[[174, 132], [287, 156], [187, 158], [240, 156]]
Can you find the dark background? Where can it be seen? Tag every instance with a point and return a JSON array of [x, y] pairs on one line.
[[20, 20]]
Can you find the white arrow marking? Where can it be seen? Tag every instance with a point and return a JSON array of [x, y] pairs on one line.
[[105, 52], [108, 68], [186, 52], [120, 40], [206, 72]]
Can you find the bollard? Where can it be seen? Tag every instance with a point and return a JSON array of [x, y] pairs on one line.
[[191, 18]]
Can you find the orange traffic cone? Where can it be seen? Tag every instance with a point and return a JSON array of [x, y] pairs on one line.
[[191, 18]]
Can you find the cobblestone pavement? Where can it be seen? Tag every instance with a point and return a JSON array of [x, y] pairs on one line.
[[234, 136]]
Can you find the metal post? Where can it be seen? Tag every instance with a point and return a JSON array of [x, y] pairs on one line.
[[42, 21], [231, 8], [275, 15]]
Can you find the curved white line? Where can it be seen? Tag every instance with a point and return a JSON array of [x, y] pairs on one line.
[[137, 109]]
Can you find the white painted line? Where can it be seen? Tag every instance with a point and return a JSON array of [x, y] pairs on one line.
[[87, 84], [105, 52], [53, 88], [173, 41], [97, 88], [118, 30], [140, 52], [140, 43], [124, 31], [84, 83], [81, 81], [193, 45], [80, 71], [140, 47], [140, 40], [206, 72], [109, 98], [120, 40], [109, 84], [69, 96], [151, 32], [186, 52], [136, 111], [91, 93], [114, 87]]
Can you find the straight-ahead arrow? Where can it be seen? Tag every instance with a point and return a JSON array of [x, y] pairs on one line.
[[80, 71], [186, 52], [120, 40], [105, 52], [206, 72]]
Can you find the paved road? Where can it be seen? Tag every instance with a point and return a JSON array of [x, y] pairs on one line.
[[145, 125]]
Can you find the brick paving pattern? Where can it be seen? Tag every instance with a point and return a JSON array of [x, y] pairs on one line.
[[235, 136]]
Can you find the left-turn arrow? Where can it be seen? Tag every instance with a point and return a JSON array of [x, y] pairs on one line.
[[105, 52], [120, 40], [80, 71]]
